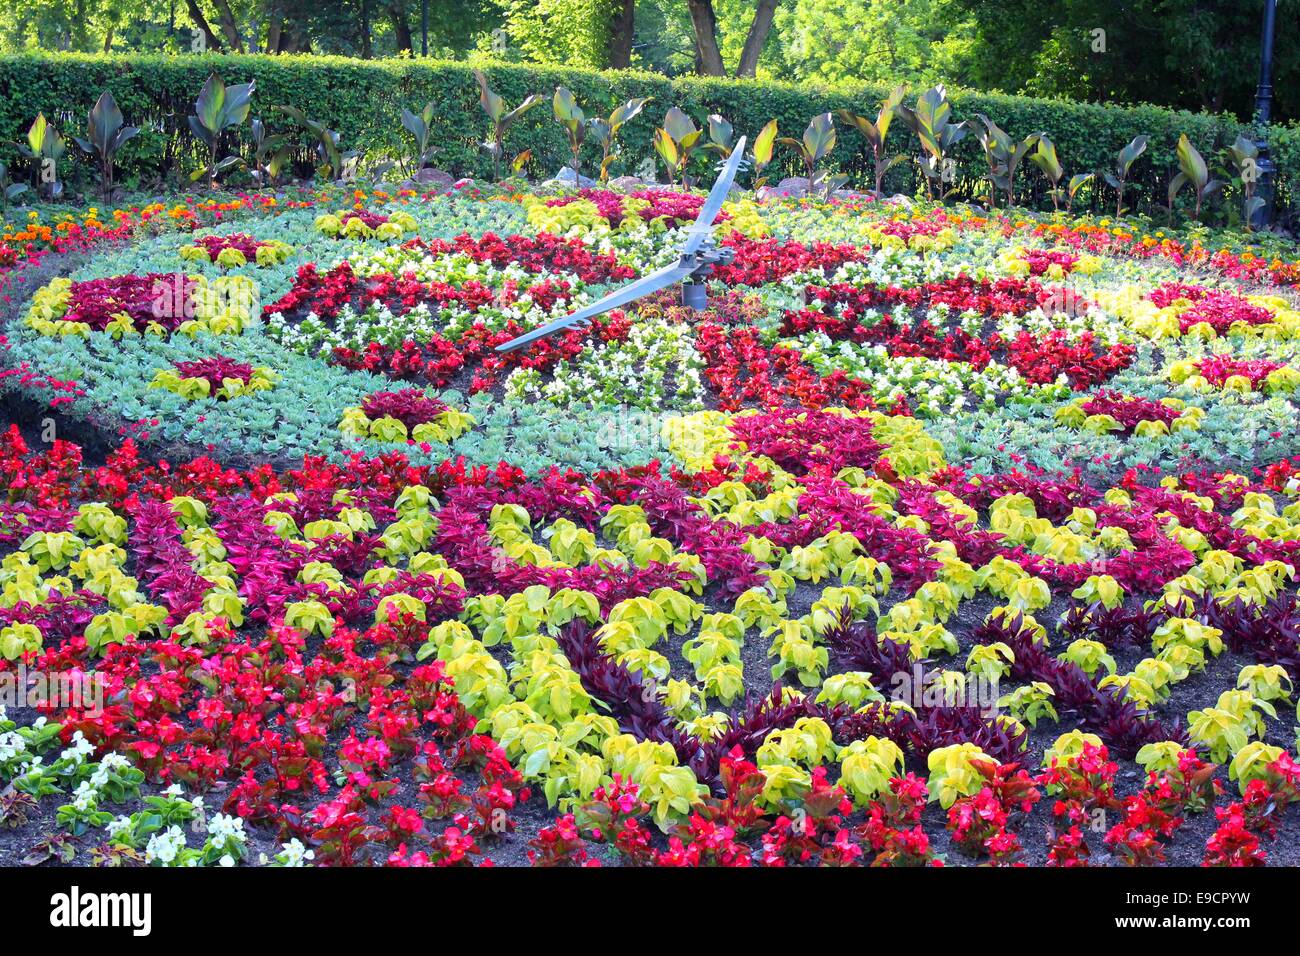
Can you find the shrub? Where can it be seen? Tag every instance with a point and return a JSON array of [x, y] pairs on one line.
[[363, 100]]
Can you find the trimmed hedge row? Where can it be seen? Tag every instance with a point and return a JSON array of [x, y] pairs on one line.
[[362, 99]]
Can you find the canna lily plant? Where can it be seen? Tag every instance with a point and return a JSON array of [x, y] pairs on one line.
[[501, 117], [44, 147], [604, 132], [1192, 171], [270, 153], [1044, 157], [106, 133], [218, 109], [676, 141], [815, 145], [570, 115], [1243, 155], [1004, 157], [877, 132], [762, 149], [931, 120], [420, 125], [1124, 161], [332, 162]]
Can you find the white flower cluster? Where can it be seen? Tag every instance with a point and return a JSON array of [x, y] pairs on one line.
[[656, 366], [110, 762], [225, 830], [1074, 317], [292, 854], [13, 752], [78, 750], [932, 387], [165, 846]]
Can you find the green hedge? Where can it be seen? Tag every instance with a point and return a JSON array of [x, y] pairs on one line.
[[362, 99]]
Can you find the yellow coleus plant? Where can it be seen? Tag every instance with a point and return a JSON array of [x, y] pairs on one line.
[[953, 772], [867, 766]]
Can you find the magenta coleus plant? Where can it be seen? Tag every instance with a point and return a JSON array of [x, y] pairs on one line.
[[410, 406], [1129, 410]]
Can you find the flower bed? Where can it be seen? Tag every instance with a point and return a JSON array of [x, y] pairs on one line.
[[936, 532]]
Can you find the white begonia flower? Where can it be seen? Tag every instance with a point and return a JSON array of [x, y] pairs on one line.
[[85, 797], [11, 745], [165, 846]]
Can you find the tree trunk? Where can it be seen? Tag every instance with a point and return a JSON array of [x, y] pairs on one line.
[[757, 36], [294, 38], [228, 28], [401, 28], [80, 36], [366, 47], [108, 38], [201, 22], [621, 30], [708, 58], [273, 30]]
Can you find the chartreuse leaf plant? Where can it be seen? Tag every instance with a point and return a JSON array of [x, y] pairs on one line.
[[990, 662], [1089, 656], [794, 648], [670, 789], [1266, 682], [1030, 703], [1252, 762], [867, 766], [1229, 725], [954, 772]]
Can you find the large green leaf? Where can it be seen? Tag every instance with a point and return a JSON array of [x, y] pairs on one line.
[[626, 112], [1045, 158], [210, 105], [239, 100], [679, 126], [666, 148], [1192, 163], [866, 127], [565, 106], [764, 143], [1129, 154], [492, 104], [720, 132], [819, 137], [1175, 186], [888, 109], [414, 125], [36, 134], [520, 110], [105, 121]]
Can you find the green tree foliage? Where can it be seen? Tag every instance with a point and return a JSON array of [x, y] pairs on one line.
[[1186, 54], [572, 32], [878, 41], [1181, 53]]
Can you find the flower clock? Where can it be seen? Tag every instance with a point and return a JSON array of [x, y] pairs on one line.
[[934, 538]]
